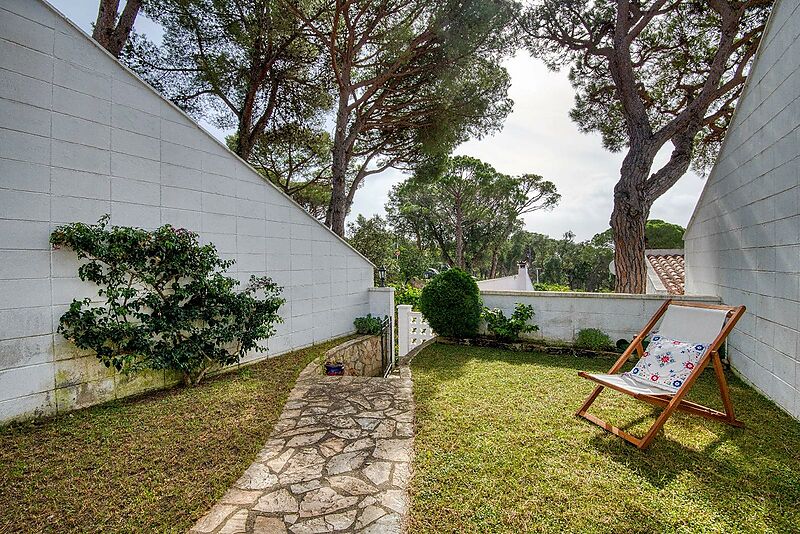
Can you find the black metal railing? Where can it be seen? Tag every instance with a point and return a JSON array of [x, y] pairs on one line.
[[387, 362]]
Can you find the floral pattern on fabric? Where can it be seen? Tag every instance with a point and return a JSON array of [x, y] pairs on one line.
[[667, 363]]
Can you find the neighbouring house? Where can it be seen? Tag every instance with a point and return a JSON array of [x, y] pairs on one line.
[[743, 240], [666, 274], [82, 136], [516, 282]]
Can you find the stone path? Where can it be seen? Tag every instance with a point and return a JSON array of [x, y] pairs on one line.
[[338, 460]]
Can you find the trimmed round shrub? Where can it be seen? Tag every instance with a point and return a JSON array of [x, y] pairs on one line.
[[593, 339], [451, 303]]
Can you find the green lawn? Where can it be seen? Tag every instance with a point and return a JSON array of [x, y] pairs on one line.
[[151, 464], [498, 449]]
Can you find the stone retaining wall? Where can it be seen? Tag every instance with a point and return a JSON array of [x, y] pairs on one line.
[[361, 356]]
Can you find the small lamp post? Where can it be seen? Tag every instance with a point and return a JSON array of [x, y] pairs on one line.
[[382, 275]]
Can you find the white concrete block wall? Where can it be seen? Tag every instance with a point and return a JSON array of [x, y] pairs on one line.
[[561, 315], [81, 136], [743, 241]]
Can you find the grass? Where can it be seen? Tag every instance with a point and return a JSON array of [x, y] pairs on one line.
[[150, 464], [498, 449]]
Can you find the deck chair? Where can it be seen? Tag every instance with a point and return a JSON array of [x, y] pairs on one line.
[[686, 321]]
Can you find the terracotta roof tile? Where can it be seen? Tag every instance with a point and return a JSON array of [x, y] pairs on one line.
[[671, 270]]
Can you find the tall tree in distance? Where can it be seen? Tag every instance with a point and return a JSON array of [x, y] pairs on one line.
[[649, 73], [112, 28], [469, 209], [245, 64], [411, 79]]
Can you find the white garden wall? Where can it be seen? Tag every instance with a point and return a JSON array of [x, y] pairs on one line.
[[743, 242], [561, 315], [81, 136]]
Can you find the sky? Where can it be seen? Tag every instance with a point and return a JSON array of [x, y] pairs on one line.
[[537, 137]]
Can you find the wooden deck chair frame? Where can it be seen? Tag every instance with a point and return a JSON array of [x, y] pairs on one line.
[[670, 401]]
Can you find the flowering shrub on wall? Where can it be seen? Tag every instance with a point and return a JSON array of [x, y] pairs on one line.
[[165, 301]]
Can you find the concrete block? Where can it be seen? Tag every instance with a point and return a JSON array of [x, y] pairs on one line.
[[84, 394], [224, 243], [137, 215], [174, 197], [80, 157], [135, 95], [246, 244], [131, 384], [28, 407], [22, 381], [77, 104], [20, 30], [24, 117], [219, 184], [191, 220], [79, 49], [73, 209], [26, 292], [24, 264], [180, 155], [133, 120], [249, 207], [32, 63], [220, 164], [135, 144], [24, 205], [251, 263], [26, 351], [65, 290], [221, 204], [80, 370], [135, 168], [81, 131], [180, 132], [27, 90], [24, 235], [251, 191], [183, 177], [67, 182], [82, 80], [24, 147], [134, 191], [277, 262], [24, 176], [251, 227], [218, 223]]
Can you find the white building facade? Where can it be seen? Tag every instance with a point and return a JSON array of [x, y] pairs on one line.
[[81, 136], [743, 241]]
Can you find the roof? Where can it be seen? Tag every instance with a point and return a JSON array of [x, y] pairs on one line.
[[670, 269]]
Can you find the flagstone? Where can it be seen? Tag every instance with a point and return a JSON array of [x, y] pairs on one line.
[[338, 460]]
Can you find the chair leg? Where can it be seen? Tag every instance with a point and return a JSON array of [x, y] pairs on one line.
[[724, 391]]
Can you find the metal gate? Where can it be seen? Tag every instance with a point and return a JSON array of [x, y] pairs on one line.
[[387, 363]]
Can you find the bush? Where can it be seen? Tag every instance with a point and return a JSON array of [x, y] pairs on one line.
[[451, 303], [407, 294], [167, 303], [542, 286], [593, 339], [509, 329], [367, 325]]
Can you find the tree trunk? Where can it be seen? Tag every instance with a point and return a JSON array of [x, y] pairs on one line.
[[493, 270], [338, 206], [628, 220], [459, 231], [112, 34]]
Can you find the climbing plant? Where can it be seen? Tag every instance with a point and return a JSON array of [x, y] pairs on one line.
[[165, 302]]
